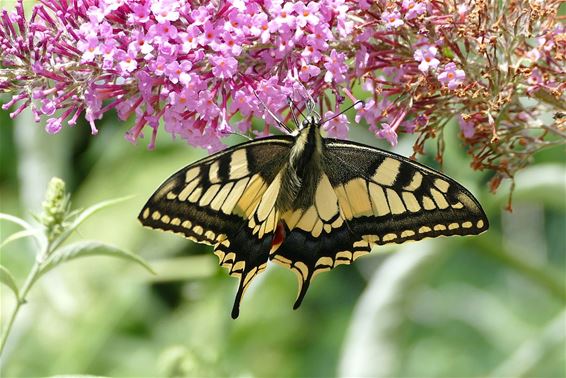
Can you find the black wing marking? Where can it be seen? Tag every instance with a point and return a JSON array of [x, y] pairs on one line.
[[220, 201], [371, 197]]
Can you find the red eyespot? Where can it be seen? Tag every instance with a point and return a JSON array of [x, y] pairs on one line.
[[278, 237]]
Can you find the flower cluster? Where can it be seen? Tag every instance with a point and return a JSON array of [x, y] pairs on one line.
[[202, 70]]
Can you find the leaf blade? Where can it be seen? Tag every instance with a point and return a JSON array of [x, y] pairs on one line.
[[90, 248], [8, 279], [16, 220], [84, 215], [19, 235]]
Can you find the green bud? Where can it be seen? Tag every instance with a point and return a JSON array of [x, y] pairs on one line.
[[55, 208]]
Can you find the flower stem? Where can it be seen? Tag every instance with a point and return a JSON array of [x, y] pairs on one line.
[[33, 275]]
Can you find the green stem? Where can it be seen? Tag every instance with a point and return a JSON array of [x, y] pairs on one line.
[[493, 246], [33, 275]]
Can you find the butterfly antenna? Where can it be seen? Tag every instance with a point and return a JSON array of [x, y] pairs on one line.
[[311, 103], [291, 106], [281, 124], [342, 112], [240, 134]]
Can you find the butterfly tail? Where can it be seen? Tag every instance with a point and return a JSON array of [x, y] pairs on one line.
[[303, 287]]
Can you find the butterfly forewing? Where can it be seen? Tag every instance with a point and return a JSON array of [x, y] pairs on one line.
[[226, 200], [369, 197]]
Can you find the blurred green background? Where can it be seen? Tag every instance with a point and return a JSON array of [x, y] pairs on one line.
[[489, 306]]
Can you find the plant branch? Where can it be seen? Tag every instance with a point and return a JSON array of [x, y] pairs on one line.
[[33, 275]]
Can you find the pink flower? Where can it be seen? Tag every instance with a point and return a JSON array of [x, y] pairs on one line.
[[232, 45], [335, 67], [311, 54], [90, 48], [108, 49], [165, 10], [413, 8], [306, 14], [224, 67], [141, 43], [260, 27], [189, 38], [320, 37], [451, 77], [467, 127], [206, 102], [284, 18], [392, 19], [211, 36], [426, 55], [53, 125], [127, 61], [337, 127], [388, 133], [535, 78], [534, 55], [179, 72], [242, 103], [366, 110], [307, 71]]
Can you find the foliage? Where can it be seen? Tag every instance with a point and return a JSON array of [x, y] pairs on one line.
[[56, 223]]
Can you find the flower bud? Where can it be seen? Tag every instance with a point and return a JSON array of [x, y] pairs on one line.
[[55, 208]]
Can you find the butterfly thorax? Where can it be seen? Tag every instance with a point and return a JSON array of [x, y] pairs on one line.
[[303, 170]]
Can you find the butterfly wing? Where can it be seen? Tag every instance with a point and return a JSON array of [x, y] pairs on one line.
[[368, 197], [226, 200]]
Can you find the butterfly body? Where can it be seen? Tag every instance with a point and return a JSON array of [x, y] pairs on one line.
[[308, 203], [303, 169]]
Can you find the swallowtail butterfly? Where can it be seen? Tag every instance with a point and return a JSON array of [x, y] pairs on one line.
[[308, 203]]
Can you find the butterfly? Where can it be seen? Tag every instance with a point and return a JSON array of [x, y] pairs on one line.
[[308, 203]]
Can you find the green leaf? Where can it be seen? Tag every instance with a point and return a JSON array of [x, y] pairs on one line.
[[19, 235], [19, 221], [90, 248], [83, 216], [7, 279]]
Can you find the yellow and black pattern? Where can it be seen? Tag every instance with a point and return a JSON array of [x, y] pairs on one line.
[[220, 201], [307, 203], [368, 197]]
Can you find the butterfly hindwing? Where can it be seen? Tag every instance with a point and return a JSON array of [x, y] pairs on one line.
[[226, 200], [367, 197]]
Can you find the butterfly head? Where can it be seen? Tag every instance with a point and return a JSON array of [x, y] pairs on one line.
[[311, 122]]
